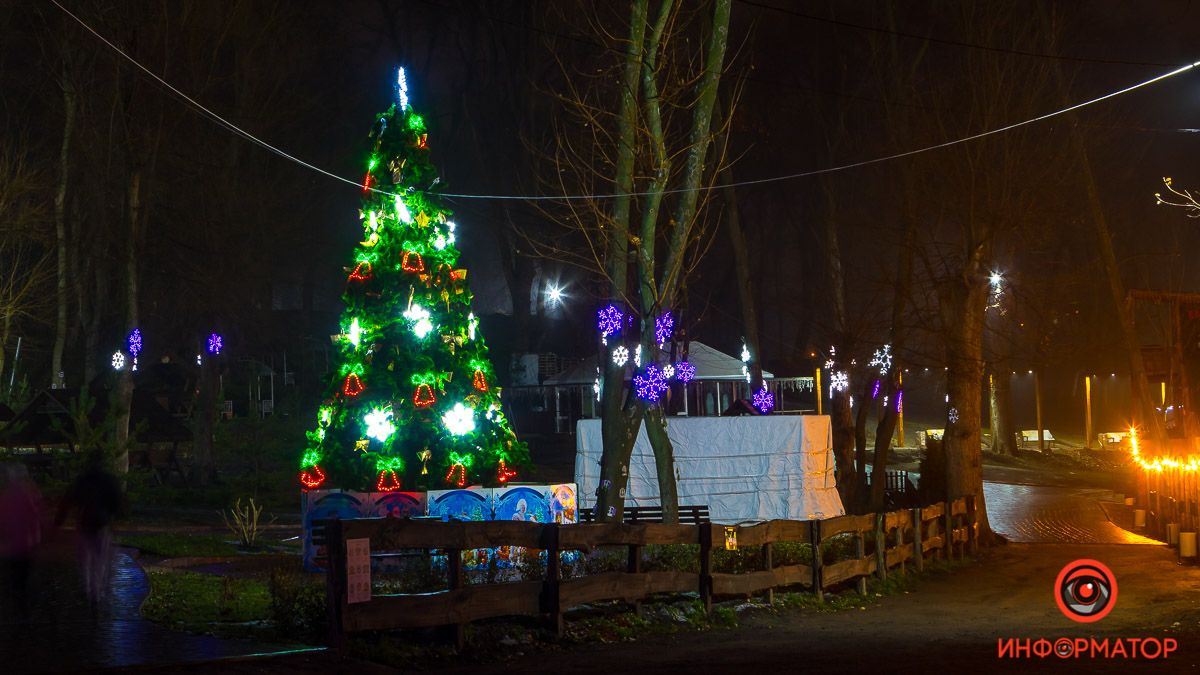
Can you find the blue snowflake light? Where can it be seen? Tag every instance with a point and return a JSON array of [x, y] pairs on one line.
[[664, 327], [685, 371], [135, 343], [608, 320], [651, 386], [764, 400]]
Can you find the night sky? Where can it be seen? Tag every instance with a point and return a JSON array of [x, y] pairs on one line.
[[234, 231]]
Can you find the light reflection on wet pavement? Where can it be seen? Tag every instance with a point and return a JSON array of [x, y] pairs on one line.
[[62, 633], [1038, 514]]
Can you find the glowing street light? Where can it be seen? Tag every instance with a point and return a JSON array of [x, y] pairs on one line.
[[555, 295]]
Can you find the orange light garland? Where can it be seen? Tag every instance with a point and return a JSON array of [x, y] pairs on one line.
[[1159, 463]]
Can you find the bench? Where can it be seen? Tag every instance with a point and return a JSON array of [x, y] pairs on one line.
[[688, 515], [1030, 436]]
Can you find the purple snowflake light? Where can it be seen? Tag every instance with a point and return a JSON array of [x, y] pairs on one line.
[[608, 320], [135, 343], [900, 401], [664, 327], [764, 400], [875, 391], [651, 386], [685, 371], [215, 343]]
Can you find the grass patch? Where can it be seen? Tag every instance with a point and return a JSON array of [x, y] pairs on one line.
[[205, 603], [177, 545]]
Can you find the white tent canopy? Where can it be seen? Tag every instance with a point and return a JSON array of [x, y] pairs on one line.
[[710, 364], [743, 468]]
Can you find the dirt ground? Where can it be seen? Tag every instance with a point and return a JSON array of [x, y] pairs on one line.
[[951, 622]]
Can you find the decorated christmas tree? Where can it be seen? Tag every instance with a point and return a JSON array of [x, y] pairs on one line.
[[413, 402]]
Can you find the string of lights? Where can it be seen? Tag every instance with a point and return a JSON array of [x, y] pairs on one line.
[[577, 197]]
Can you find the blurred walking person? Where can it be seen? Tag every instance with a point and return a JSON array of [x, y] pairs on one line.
[[95, 497], [20, 532]]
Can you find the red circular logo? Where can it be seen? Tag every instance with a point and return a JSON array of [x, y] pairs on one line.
[[1085, 590]]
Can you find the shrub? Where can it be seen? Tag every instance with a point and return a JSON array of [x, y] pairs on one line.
[[298, 604]]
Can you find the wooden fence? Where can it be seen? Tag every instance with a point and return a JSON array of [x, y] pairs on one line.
[[901, 537]]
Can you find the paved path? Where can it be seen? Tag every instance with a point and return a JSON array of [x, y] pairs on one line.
[[1036, 514], [62, 633]]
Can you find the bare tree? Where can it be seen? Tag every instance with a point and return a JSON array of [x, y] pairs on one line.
[[665, 92]]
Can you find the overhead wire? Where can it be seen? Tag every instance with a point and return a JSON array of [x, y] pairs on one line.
[[577, 197]]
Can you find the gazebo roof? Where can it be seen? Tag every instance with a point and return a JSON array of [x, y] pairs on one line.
[[39, 423], [710, 364]]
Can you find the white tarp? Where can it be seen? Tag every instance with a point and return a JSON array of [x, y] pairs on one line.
[[744, 468]]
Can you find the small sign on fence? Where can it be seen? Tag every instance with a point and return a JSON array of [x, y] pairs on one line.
[[358, 570], [730, 538]]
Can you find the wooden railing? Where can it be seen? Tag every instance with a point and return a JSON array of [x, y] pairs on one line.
[[901, 537]]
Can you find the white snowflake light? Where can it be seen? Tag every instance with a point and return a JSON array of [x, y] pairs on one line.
[[637, 357], [439, 242], [422, 326], [953, 416], [882, 359], [839, 381], [668, 371], [620, 356], [354, 335], [199, 360], [472, 324], [745, 353], [829, 364], [118, 361], [459, 420], [379, 424]]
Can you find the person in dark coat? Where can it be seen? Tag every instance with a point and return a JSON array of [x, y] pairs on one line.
[[20, 531], [95, 498]]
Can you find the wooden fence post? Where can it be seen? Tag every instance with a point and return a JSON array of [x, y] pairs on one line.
[[948, 536], [705, 532], [918, 547], [900, 542], [972, 526], [551, 602], [860, 552], [817, 575], [768, 566], [881, 562], [454, 572], [635, 567], [335, 583]]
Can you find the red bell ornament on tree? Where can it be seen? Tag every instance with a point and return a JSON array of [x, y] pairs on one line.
[[412, 262], [423, 397], [353, 386], [312, 477], [388, 481], [362, 271]]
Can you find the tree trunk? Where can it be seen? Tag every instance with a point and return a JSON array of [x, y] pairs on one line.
[[886, 426], [205, 416], [842, 429], [1000, 402], [124, 392], [620, 422], [664, 463], [963, 300], [57, 377]]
